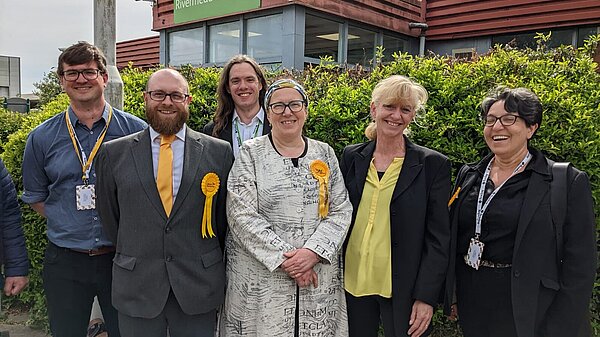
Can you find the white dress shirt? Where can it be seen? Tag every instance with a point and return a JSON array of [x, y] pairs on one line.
[[246, 131]]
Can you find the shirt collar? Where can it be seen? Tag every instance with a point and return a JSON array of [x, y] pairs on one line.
[[259, 116], [154, 135], [73, 117], [537, 162]]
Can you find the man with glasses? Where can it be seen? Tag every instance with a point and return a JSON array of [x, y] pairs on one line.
[[241, 94], [161, 198], [59, 181]]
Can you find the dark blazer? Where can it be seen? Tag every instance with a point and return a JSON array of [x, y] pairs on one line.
[[13, 254], [226, 133], [547, 299], [420, 226], [155, 253]]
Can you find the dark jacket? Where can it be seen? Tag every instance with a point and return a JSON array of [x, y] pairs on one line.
[[13, 254], [225, 134], [156, 254], [420, 230], [548, 299]]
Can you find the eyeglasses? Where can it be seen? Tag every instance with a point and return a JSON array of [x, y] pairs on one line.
[[88, 74], [279, 107], [505, 120], [176, 97]]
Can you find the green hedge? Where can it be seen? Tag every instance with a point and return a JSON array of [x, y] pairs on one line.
[[565, 79]]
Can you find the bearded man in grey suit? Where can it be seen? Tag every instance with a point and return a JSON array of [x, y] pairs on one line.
[[161, 198]]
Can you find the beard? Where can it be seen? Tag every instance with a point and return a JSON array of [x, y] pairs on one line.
[[166, 126]]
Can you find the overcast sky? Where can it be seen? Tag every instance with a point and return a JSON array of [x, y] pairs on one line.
[[34, 30]]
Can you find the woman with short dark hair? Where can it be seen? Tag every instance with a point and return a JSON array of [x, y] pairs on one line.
[[505, 271]]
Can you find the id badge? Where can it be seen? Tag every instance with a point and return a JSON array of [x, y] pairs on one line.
[[474, 253], [86, 197]]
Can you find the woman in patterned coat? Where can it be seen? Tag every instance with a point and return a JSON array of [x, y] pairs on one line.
[[288, 212]]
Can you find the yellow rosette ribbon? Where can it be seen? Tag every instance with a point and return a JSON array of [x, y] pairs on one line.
[[320, 171], [210, 186]]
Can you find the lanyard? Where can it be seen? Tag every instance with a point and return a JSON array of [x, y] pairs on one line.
[[237, 131], [481, 207], [86, 163]]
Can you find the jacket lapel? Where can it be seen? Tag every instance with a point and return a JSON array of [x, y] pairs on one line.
[[142, 158], [410, 169], [191, 163], [362, 161], [536, 190], [226, 132]]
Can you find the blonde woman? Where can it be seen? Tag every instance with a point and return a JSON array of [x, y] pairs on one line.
[[396, 253]]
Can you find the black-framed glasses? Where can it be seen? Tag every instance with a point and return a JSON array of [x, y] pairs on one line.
[[176, 97], [279, 107], [88, 74], [505, 120]]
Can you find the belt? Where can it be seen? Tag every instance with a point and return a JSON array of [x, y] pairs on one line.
[[490, 264], [95, 252]]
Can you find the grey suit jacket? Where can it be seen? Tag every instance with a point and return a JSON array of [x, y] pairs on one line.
[[155, 253]]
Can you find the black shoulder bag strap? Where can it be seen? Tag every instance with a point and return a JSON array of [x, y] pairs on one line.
[[558, 203]]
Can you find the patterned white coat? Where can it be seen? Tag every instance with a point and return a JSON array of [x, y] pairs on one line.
[[272, 208]]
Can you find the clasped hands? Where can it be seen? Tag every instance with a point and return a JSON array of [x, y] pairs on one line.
[[299, 265]]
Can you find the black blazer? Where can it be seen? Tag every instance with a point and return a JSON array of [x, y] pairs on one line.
[[225, 134], [547, 299], [420, 226]]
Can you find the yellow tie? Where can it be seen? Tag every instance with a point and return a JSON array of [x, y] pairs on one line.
[[164, 176]]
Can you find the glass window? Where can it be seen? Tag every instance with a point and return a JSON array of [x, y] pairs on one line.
[[392, 45], [186, 47], [584, 33], [264, 37], [224, 41], [321, 38], [361, 46], [526, 40]]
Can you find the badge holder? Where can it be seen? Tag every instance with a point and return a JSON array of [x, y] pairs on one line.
[[85, 196], [473, 258]]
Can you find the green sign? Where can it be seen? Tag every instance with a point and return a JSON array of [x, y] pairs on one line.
[[189, 10]]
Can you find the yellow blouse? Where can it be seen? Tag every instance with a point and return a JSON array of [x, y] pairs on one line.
[[368, 267]]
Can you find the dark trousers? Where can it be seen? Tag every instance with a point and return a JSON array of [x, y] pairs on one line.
[[484, 301], [172, 318], [71, 280], [365, 314]]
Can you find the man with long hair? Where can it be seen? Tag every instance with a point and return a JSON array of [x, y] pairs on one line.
[[241, 93]]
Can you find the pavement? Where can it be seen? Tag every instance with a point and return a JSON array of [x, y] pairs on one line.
[[15, 325]]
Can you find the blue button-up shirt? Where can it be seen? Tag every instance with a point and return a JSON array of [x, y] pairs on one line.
[[51, 171]]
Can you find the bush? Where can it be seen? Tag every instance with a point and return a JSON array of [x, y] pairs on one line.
[[565, 79], [10, 122]]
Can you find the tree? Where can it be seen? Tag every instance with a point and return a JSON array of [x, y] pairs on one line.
[[48, 88]]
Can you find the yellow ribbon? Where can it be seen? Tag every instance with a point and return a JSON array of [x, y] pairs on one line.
[[454, 196], [320, 171], [210, 186]]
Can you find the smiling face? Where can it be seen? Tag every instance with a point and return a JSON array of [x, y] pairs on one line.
[[287, 125], [83, 91], [167, 117], [244, 87], [391, 118], [507, 141]]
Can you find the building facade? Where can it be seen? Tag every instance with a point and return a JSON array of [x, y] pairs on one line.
[[284, 33], [293, 33], [460, 28], [10, 76]]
